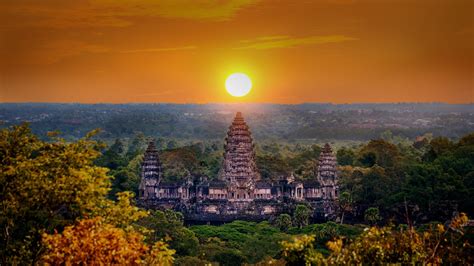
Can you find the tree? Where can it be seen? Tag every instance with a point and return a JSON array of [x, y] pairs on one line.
[[191, 261], [272, 166], [300, 251], [44, 185], [113, 158], [438, 146], [172, 144], [125, 179], [368, 159], [137, 145], [229, 258], [345, 156], [372, 215], [283, 222], [169, 226], [301, 215], [375, 187], [254, 241], [436, 245], [345, 203], [93, 241], [118, 147], [379, 152], [387, 135]]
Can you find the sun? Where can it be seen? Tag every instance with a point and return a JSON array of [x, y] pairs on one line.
[[238, 84]]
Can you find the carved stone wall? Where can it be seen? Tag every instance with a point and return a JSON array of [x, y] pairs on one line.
[[239, 169], [239, 193]]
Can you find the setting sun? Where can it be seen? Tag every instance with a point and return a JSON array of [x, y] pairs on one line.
[[238, 84]]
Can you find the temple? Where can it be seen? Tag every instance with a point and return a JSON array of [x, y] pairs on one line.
[[238, 191]]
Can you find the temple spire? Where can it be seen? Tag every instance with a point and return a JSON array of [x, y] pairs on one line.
[[327, 172], [151, 172], [239, 167]]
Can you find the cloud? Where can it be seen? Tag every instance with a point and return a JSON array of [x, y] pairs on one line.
[[111, 13], [266, 38], [188, 9], [168, 49], [281, 41], [41, 14], [55, 51]]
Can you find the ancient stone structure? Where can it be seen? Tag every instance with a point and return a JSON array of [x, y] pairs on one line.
[[327, 178], [151, 172], [239, 170], [239, 192]]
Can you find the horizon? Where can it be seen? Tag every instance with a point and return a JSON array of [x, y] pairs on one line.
[[239, 103]]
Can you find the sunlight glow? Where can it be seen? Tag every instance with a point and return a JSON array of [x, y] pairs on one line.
[[238, 84]]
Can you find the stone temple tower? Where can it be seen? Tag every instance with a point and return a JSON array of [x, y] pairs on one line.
[[239, 169], [151, 173], [327, 173]]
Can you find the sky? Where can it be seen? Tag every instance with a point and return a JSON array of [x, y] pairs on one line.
[[181, 51]]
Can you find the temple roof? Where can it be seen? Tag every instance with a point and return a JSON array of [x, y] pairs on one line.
[[311, 184], [217, 184], [151, 168], [263, 184], [239, 165], [327, 163], [170, 184]]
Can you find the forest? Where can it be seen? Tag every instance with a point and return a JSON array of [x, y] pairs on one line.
[[67, 201], [299, 123]]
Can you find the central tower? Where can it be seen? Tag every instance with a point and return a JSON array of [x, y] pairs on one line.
[[239, 169]]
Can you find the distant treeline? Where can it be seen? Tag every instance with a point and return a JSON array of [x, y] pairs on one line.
[[291, 123]]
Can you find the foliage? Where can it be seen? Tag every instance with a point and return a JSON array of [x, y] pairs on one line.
[[47, 186], [190, 261], [121, 213], [438, 245], [301, 215], [300, 251], [113, 158], [412, 185], [271, 166], [372, 215], [279, 122], [93, 241], [345, 204], [168, 225], [229, 258], [345, 156], [189, 160], [253, 241], [384, 245], [44, 185], [283, 222], [380, 152], [325, 232]]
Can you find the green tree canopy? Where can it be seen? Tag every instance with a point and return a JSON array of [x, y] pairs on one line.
[[46, 186], [301, 215], [283, 222], [372, 215], [379, 152]]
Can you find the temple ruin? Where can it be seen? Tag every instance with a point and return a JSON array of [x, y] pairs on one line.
[[238, 192]]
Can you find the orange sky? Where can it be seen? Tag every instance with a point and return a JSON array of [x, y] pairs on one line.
[[295, 51]]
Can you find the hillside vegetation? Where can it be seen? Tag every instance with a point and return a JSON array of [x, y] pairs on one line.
[[69, 203]]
